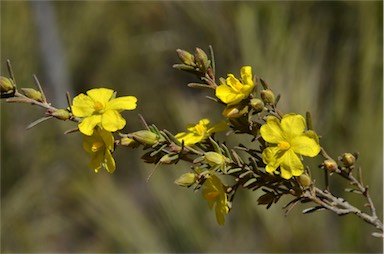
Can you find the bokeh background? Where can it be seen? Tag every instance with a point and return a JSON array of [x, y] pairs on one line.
[[322, 57]]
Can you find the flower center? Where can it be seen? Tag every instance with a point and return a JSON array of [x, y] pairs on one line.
[[96, 146], [238, 86], [200, 129], [98, 106], [284, 145]]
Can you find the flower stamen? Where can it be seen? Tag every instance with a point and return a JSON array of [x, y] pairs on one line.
[[284, 145], [98, 106], [96, 146]]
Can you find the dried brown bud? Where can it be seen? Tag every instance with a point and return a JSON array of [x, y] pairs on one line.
[[330, 165], [348, 159]]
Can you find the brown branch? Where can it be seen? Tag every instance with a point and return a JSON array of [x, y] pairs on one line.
[[340, 206]]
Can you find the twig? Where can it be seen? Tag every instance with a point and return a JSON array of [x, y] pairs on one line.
[[341, 206]]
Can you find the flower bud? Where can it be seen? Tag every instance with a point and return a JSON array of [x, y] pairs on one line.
[[128, 142], [214, 158], [304, 180], [145, 137], [6, 85], [186, 180], [267, 96], [186, 57], [348, 159], [330, 165], [169, 158], [235, 111], [201, 59], [257, 104], [61, 114], [32, 94]]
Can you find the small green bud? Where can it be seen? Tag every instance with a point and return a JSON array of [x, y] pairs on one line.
[[169, 158], [330, 165], [348, 159], [267, 96], [201, 59], [235, 111], [304, 180], [145, 137], [186, 57], [186, 180], [32, 94], [6, 85], [257, 104], [214, 158], [61, 114], [128, 142]]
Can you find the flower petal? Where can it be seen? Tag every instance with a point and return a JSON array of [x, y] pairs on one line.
[[221, 210], [107, 138], [246, 75], [102, 95], [271, 131], [292, 125], [227, 95], [109, 162], [189, 138], [122, 103], [97, 160], [291, 165], [82, 106], [221, 126], [271, 158], [112, 121], [88, 124], [305, 145]]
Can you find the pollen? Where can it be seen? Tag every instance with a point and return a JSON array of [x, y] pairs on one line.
[[284, 145], [96, 146], [98, 106], [200, 129]]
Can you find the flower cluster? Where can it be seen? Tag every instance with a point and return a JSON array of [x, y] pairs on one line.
[[273, 163], [99, 112]]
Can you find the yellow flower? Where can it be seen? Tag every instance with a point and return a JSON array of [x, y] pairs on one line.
[[288, 141], [215, 194], [199, 132], [99, 107], [100, 146], [234, 90]]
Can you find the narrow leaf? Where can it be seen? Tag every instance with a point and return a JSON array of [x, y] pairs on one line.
[[40, 120], [312, 209], [249, 182]]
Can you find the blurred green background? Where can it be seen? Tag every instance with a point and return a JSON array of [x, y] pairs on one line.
[[322, 57]]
